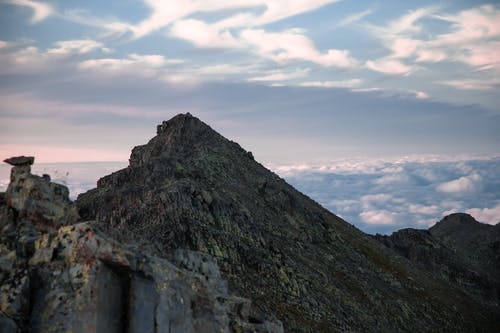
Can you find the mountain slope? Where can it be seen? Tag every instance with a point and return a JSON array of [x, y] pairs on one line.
[[189, 187], [458, 249]]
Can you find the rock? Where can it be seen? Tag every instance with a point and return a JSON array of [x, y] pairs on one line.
[[99, 285], [165, 244], [191, 188], [20, 160], [74, 278], [46, 205], [7, 325], [459, 250]]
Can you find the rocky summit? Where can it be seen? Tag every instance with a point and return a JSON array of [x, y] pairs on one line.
[[189, 188]]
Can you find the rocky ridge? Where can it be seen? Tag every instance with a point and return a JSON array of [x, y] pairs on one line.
[[61, 275], [459, 250], [191, 188]]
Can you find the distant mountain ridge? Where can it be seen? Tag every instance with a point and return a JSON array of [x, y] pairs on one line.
[[457, 249], [189, 187]]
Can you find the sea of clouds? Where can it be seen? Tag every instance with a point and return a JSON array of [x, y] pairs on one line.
[[381, 196], [376, 195]]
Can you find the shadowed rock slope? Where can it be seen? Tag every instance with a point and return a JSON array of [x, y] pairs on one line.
[[460, 251], [189, 187]]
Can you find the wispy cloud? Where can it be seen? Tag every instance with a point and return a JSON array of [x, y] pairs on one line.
[[390, 66], [78, 46], [468, 84], [163, 14], [472, 38], [355, 17], [404, 25], [41, 10], [204, 35], [333, 84], [286, 46], [279, 75], [25, 59]]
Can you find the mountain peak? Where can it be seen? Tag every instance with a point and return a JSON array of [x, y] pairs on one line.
[[191, 188], [461, 226], [176, 138], [177, 122], [459, 218]]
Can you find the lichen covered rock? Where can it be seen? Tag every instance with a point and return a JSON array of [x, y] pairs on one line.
[[57, 275], [44, 203], [189, 187]]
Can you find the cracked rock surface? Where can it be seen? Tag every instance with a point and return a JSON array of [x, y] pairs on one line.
[[189, 187], [60, 275]]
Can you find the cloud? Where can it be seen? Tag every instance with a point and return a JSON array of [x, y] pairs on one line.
[[280, 76], [402, 47], [204, 35], [22, 59], [151, 65], [408, 22], [364, 90], [376, 197], [430, 55], [333, 84], [421, 95], [469, 84], [471, 38], [40, 10], [393, 178], [486, 215], [289, 45], [277, 10], [463, 184], [471, 25], [353, 18], [78, 46], [425, 210], [390, 66], [402, 191], [378, 217], [163, 14]]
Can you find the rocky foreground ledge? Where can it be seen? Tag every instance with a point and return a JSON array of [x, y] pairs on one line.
[[57, 275]]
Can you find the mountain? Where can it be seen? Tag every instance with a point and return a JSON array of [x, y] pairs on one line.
[[58, 275], [190, 188], [459, 250]]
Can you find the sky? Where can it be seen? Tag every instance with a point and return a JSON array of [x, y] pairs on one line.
[[297, 82]]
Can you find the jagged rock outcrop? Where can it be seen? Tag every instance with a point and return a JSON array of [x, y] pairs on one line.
[[459, 250], [37, 199], [57, 275], [189, 187]]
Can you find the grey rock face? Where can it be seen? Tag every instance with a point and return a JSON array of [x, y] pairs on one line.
[[73, 278], [37, 199], [459, 250]]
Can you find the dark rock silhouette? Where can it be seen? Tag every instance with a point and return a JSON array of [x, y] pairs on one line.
[[191, 188], [459, 250]]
